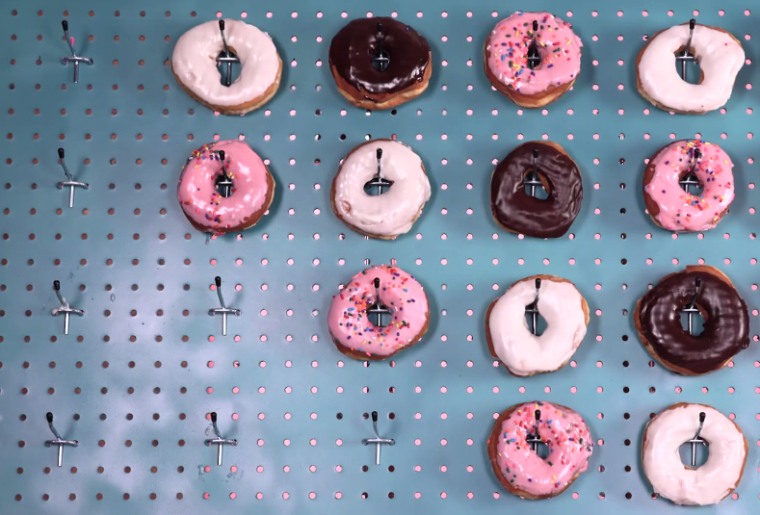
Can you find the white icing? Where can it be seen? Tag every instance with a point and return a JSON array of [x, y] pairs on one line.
[[194, 62], [560, 304], [662, 464], [720, 58], [392, 213]]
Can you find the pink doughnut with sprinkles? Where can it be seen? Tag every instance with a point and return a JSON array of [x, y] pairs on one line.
[[673, 178], [533, 58], [381, 311], [538, 449], [225, 187]]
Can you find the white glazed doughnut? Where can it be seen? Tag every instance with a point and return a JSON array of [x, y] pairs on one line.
[[566, 314], [394, 212], [720, 56], [194, 66], [711, 482]]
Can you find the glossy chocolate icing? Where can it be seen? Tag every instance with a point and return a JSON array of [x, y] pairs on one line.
[[354, 46], [725, 328], [517, 211]]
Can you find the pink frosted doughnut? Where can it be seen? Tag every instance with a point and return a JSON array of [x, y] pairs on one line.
[[520, 469], [252, 190], [354, 333], [672, 208], [506, 58]]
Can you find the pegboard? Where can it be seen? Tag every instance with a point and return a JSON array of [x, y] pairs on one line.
[[139, 373]]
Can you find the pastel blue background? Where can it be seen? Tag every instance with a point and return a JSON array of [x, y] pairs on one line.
[[137, 376]]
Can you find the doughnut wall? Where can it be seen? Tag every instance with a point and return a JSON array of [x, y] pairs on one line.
[[138, 375]]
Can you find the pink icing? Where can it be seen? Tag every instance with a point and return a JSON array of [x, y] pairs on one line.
[[197, 192], [565, 433], [399, 291], [681, 211], [558, 46]]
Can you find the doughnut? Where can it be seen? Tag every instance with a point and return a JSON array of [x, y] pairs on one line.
[[392, 213], [518, 212], [725, 328], [532, 58], [669, 205], [379, 63], [203, 201], [509, 339], [720, 57], [356, 335], [683, 484], [195, 68], [519, 468]]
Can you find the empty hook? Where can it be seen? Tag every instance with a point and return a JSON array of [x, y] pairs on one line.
[[223, 310], [377, 440], [64, 309], [219, 441], [58, 441], [70, 182], [73, 58]]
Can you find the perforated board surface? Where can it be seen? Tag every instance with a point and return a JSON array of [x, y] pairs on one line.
[[139, 373]]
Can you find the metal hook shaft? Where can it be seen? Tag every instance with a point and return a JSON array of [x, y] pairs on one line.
[[378, 441], [533, 180], [219, 441], [686, 55], [697, 440], [59, 440], [223, 310]]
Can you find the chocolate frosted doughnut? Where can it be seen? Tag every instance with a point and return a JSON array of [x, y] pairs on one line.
[[725, 328], [517, 211], [379, 63]]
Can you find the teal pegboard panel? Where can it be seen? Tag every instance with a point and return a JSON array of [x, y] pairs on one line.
[[136, 378]]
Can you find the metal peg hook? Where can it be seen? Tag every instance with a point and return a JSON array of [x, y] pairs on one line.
[[697, 440], [64, 309], [73, 58], [532, 309], [532, 180], [224, 180], [378, 440], [686, 56], [223, 310], [58, 441], [219, 441], [226, 57], [534, 439], [690, 179], [534, 57], [691, 308], [378, 184], [70, 182], [377, 310], [381, 59]]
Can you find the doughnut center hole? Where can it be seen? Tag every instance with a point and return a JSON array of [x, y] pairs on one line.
[[536, 185], [376, 186], [381, 60], [229, 67], [536, 323], [696, 458], [691, 184], [379, 315], [224, 185], [692, 320], [687, 66], [538, 446]]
